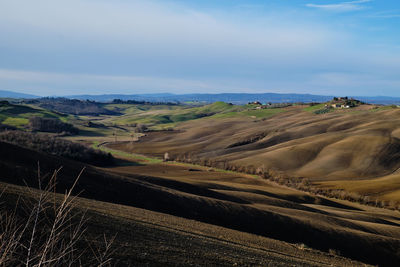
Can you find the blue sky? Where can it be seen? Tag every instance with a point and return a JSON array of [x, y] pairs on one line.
[[50, 47]]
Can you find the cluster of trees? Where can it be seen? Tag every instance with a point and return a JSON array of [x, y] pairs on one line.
[[351, 102], [51, 125], [270, 105], [73, 106], [136, 102], [279, 177], [59, 147], [323, 110]]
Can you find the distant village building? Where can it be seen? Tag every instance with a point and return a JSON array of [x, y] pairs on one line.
[[255, 103], [340, 106]]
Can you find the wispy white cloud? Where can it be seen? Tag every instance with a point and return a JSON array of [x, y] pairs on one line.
[[342, 7], [152, 38], [386, 14], [147, 24]]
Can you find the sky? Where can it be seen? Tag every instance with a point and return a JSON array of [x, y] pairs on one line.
[[327, 47]]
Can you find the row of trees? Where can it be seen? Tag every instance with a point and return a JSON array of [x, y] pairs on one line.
[[279, 177], [59, 147]]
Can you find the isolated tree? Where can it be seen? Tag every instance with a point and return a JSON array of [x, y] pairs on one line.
[[166, 156], [141, 128]]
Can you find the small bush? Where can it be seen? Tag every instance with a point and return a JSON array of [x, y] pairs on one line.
[[323, 111], [141, 128]]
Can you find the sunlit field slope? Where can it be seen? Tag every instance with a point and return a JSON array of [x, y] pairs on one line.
[[356, 149]]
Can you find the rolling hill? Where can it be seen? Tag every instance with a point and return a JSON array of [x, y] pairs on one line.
[[356, 149], [221, 208], [250, 211], [16, 115]]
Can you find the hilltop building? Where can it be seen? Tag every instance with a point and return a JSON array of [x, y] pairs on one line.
[[344, 102]]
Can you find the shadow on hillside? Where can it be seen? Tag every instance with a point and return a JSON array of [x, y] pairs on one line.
[[323, 232], [90, 133], [124, 163], [302, 199]]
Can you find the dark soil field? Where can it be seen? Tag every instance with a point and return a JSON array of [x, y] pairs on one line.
[[147, 238], [249, 212], [321, 221]]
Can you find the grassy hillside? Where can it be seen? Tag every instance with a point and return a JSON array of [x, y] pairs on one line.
[[158, 116], [18, 115], [162, 116], [125, 117]]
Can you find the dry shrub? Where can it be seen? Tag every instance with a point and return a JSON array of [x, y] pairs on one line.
[[334, 252], [48, 231]]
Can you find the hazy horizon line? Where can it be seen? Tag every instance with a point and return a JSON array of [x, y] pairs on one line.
[[198, 93]]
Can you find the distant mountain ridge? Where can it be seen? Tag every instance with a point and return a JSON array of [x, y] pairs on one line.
[[235, 98], [11, 94]]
